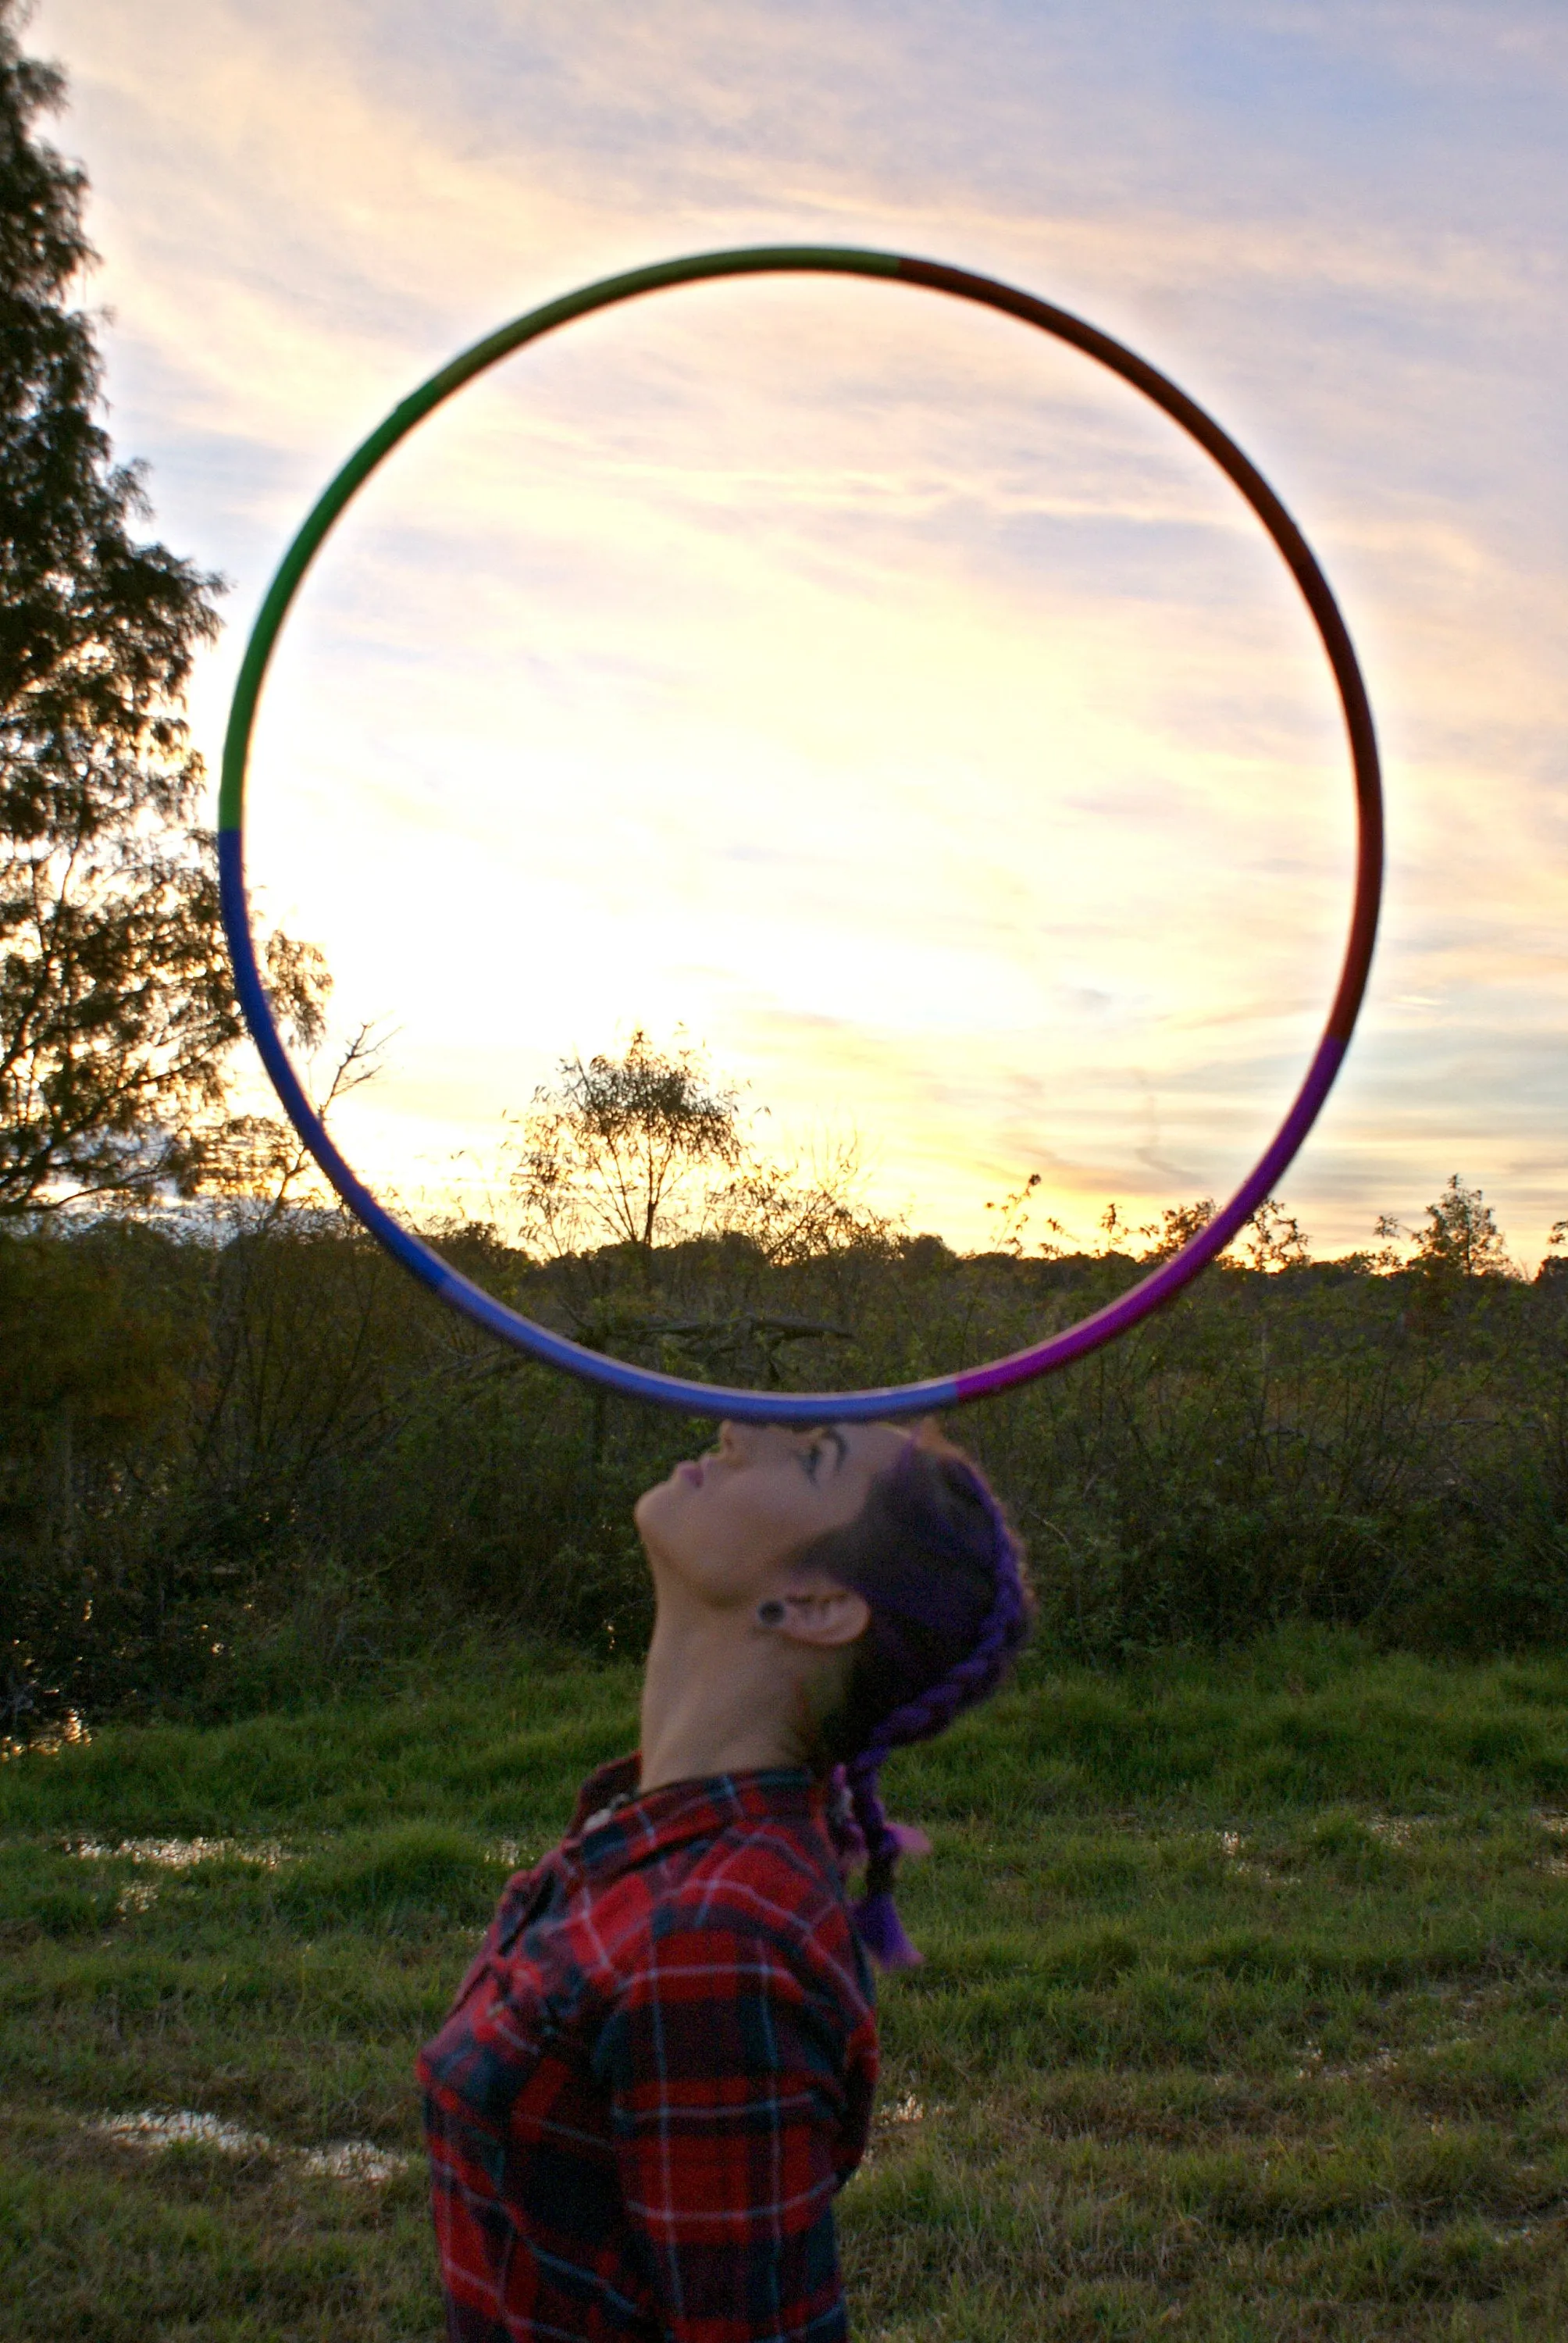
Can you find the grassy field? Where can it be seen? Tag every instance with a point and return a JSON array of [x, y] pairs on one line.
[[1243, 2014]]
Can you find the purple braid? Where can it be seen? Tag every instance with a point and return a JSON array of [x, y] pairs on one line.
[[930, 1711]]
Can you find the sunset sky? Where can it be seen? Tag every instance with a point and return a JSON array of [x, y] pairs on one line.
[[842, 676]]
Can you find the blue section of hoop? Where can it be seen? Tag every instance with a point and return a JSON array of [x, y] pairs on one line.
[[716, 1398], [462, 1293]]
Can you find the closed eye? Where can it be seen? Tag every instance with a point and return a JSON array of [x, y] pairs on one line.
[[813, 1456]]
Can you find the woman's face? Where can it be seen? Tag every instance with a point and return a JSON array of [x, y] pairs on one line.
[[728, 1523]]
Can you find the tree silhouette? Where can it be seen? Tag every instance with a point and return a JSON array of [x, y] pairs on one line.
[[116, 1010], [609, 1149], [1461, 1238]]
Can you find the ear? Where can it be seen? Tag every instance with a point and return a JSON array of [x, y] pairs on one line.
[[822, 1613]]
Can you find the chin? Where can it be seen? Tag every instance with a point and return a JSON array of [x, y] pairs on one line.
[[654, 1504]]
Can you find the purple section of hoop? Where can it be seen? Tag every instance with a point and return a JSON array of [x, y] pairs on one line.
[[1169, 1279]]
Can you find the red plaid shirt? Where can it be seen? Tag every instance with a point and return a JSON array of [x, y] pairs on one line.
[[655, 2076]]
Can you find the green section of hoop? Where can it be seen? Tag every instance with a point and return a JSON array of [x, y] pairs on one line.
[[756, 261]]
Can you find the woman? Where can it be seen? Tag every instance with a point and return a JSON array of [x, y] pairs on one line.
[[659, 2069]]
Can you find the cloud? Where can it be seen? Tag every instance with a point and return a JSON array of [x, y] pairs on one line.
[[851, 676]]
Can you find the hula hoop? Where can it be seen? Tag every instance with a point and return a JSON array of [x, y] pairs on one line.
[[936, 1391]]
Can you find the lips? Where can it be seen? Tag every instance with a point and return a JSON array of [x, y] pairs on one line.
[[692, 1474]]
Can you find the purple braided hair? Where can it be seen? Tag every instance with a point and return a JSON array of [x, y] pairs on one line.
[[861, 1826]]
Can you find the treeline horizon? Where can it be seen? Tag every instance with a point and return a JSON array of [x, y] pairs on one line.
[[247, 1466], [1272, 1240]]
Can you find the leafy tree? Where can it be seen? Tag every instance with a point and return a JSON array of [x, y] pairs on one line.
[[1275, 1238], [610, 1149], [116, 1010], [1461, 1238], [798, 1212], [1178, 1224]]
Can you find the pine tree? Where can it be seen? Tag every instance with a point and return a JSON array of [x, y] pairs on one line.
[[116, 1011]]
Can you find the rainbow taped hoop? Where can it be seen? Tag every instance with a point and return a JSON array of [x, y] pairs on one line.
[[938, 1390]]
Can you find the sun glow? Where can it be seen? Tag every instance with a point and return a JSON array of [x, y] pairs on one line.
[[861, 686], [854, 682]]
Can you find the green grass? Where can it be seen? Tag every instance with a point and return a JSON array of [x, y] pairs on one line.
[[1243, 2014]]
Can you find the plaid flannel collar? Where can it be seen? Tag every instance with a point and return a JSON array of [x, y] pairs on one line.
[[614, 1829]]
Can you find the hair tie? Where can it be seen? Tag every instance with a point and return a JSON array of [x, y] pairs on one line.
[[863, 1835]]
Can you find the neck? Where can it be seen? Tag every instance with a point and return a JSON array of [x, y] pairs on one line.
[[716, 1700]]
